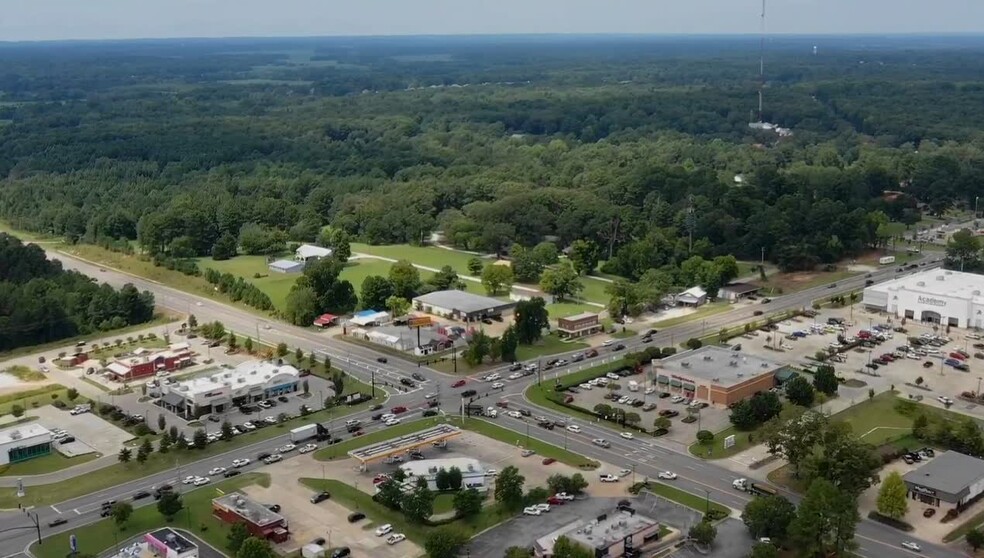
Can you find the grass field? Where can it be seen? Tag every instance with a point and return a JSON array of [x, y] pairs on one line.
[[33, 397], [95, 538], [549, 345], [50, 463], [564, 309], [785, 283], [594, 290], [704, 311], [275, 285], [26, 236], [112, 349], [23, 373], [427, 256], [716, 447]]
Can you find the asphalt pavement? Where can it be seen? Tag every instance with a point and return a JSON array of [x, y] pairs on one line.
[[646, 456]]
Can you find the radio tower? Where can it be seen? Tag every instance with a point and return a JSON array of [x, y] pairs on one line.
[[761, 60]]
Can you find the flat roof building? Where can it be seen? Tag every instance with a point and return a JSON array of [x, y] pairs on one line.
[[950, 478], [249, 381], [737, 291], [612, 535], [472, 472], [142, 363], [168, 543], [23, 442], [936, 296], [717, 375], [461, 305], [579, 325], [286, 266], [237, 507]]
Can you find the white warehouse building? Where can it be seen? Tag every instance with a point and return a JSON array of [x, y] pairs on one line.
[[224, 388], [937, 295]]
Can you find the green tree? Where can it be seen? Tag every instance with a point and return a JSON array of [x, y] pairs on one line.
[[282, 349], [509, 487], [561, 281], [232, 341], [306, 387], [161, 422], [564, 547], [441, 479], [164, 444], [125, 455], [475, 266], [17, 410], [478, 348], [800, 392], [455, 478], [255, 547], [226, 430], [121, 512], [893, 498], [199, 439], [468, 503], [72, 394], [546, 253], [145, 449], [764, 550], [332, 293], [662, 423], [963, 250], [705, 437], [225, 247], [238, 533], [170, 504], [825, 380], [497, 279], [375, 291], [703, 533], [300, 308], [508, 344], [517, 552], [584, 255], [825, 521], [769, 516], [531, 318], [526, 268], [298, 356], [390, 494], [975, 538], [397, 306], [445, 542], [405, 279], [418, 504], [795, 439], [192, 321]]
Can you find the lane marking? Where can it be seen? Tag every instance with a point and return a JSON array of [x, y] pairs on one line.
[[54, 508]]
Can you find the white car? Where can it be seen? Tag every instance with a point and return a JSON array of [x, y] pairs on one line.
[[216, 471], [202, 481], [270, 420], [586, 386], [561, 362], [608, 478], [492, 377], [564, 496], [240, 462], [543, 507], [498, 385], [515, 376], [909, 545], [428, 396], [249, 426], [666, 475], [273, 459], [574, 428], [601, 442], [383, 530], [395, 538], [613, 376], [624, 472], [308, 448], [532, 510], [387, 417], [607, 342], [286, 448], [491, 472], [515, 414], [650, 390], [627, 435], [236, 431], [392, 422], [189, 479], [945, 400]]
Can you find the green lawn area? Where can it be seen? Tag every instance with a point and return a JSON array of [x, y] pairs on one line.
[[443, 503], [704, 311], [717, 445], [549, 345], [520, 439], [594, 290], [112, 349], [427, 256], [354, 499], [275, 285], [32, 398], [786, 283], [877, 420], [23, 373], [95, 538], [120, 473], [564, 309], [25, 236], [54, 461], [694, 501], [159, 319]]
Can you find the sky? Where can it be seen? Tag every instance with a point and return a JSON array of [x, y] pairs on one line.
[[123, 19]]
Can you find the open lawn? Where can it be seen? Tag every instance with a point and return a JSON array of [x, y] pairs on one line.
[[126, 347], [877, 420], [23, 373], [33, 397], [275, 285], [54, 461], [704, 311], [549, 345], [716, 449], [26, 236], [594, 290], [564, 309], [159, 319], [427, 256], [95, 538]]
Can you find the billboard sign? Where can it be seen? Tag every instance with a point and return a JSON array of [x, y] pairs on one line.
[[729, 442], [419, 321]]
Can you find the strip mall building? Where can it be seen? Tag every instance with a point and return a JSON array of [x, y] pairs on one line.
[[936, 296]]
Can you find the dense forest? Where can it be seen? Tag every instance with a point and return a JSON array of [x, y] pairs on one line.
[[638, 144], [41, 302]]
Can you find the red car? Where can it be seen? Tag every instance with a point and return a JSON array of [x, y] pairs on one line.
[[549, 460], [957, 356], [458, 384], [555, 501], [398, 409], [591, 353]]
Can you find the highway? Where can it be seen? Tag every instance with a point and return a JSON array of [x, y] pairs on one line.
[[648, 456]]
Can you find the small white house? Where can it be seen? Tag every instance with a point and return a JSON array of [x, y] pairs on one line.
[[307, 253], [694, 296]]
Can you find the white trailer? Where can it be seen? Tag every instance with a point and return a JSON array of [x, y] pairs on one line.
[[302, 433], [884, 260]]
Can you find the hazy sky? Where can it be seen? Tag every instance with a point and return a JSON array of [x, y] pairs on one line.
[[119, 19]]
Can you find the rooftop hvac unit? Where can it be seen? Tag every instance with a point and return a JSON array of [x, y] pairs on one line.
[[16, 435], [470, 467], [740, 375], [240, 380], [939, 277], [921, 284], [716, 379], [685, 364], [733, 363], [708, 357], [765, 365]]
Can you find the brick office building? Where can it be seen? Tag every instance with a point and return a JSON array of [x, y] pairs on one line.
[[260, 521], [578, 325], [716, 375], [142, 363]]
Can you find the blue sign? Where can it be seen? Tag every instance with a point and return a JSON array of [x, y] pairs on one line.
[[73, 543]]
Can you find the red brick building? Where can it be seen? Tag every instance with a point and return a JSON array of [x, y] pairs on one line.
[[260, 521], [142, 363], [578, 325]]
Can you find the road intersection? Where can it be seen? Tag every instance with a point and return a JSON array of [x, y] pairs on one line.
[[643, 455]]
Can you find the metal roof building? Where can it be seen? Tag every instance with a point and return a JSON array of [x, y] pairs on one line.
[[951, 478], [460, 305]]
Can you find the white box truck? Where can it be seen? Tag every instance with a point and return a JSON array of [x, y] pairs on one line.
[[884, 260], [302, 433]]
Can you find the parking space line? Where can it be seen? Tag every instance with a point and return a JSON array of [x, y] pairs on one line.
[[77, 512], [56, 509]]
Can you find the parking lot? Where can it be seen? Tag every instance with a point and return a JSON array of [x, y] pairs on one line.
[[328, 520], [652, 404], [92, 434], [938, 379]]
